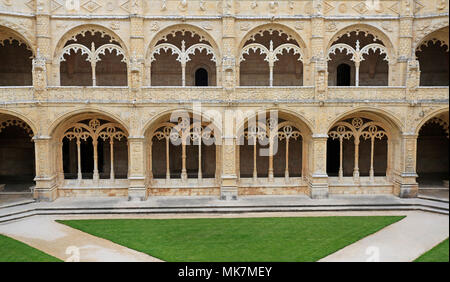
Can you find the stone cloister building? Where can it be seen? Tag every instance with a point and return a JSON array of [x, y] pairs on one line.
[[353, 93]]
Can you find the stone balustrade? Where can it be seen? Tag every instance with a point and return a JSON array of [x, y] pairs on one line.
[[219, 95]]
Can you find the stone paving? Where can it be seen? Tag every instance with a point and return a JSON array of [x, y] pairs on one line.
[[403, 241]]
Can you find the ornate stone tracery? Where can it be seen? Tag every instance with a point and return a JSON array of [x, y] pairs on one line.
[[440, 122], [93, 55], [267, 134], [16, 122], [10, 38], [182, 133], [184, 53], [358, 53], [357, 128], [232, 28], [271, 54], [95, 130]]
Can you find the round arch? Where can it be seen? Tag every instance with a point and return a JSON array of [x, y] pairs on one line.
[[57, 125], [81, 29], [429, 33], [372, 134], [20, 116], [375, 31], [154, 122], [182, 28], [185, 161], [430, 116], [17, 152], [276, 27], [19, 34], [393, 123], [301, 122]]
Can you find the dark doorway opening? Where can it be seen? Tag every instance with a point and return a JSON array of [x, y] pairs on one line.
[[201, 77], [343, 75]]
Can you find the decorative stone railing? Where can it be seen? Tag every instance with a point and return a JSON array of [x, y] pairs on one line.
[[220, 95], [432, 93], [180, 94], [362, 93], [279, 94], [305, 94], [22, 94], [88, 94]]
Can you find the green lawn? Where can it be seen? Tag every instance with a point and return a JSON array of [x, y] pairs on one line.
[[438, 254], [14, 251], [236, 239]]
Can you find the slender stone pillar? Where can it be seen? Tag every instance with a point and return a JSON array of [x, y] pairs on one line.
[[405, 52]]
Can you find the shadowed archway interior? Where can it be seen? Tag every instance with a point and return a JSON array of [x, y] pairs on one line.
[[17, 158]]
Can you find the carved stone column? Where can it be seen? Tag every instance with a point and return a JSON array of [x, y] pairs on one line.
[[136, 168], [136, 60], [318, 178], [135, 73], [412, 79], [229, 187], [320, 79], [43, 31], [406, 184], [318, 62], [39, 72], [405, 52], [46, 185], [228, 75]]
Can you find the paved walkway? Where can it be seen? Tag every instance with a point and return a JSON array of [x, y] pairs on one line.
[[65, 243], [403, 241]]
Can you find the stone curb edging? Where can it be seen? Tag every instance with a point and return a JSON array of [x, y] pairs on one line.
[[236, 209]]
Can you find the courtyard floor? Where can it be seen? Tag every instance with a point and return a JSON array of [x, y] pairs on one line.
[[34, 223], [404, 240]]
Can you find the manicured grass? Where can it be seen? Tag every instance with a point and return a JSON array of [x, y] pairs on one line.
[[236, 239], [437, 254], [14, 251]]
